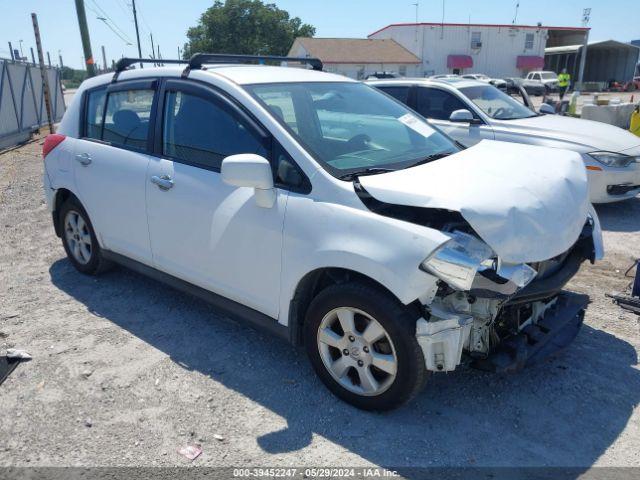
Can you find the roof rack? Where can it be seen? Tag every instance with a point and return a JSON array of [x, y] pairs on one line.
[[124, 63], [200, 59]]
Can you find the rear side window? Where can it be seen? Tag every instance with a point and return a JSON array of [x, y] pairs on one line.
[[127, 116], [437, 104], [94, 113], [202, 133], [399, 93]]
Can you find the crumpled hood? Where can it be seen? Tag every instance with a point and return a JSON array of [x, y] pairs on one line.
[[527, 203], [593, 135]]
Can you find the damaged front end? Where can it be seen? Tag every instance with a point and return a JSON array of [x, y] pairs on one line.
[[520, 225], [498, 316]]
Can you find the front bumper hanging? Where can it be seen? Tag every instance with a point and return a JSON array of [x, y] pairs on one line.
[[537, 342]]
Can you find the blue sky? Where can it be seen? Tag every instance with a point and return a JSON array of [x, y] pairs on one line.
[[169, 20]]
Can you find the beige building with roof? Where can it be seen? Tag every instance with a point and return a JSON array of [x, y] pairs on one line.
[[358, 57]]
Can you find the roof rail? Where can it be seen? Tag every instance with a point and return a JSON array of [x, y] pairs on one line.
[[200, 59], [124, 63]]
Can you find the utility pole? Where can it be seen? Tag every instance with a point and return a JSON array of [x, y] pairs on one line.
[[86, 41], [153, 49], [135, 20], [104, 59], [586, 15], [43, 72]]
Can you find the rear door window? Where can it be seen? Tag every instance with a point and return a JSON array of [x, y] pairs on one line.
[[127, 117]]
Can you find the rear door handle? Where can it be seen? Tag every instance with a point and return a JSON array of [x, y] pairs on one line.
[[164, 182], [84, 159]]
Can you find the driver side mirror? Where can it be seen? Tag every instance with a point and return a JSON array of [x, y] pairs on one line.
[[462, 116], [547, 109], [253, 171]]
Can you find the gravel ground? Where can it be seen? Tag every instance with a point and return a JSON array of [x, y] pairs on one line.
[[126, 370]]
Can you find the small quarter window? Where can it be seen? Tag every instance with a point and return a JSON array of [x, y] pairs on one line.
[[127, 118], [94, 113]]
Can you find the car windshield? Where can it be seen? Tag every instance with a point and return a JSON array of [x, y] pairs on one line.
[[352, 128], [496, 104], [548, 76]]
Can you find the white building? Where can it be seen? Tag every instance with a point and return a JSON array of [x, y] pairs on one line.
[[495, 50], [358, 57]]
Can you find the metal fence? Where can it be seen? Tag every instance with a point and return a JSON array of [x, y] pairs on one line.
[[22, 107]]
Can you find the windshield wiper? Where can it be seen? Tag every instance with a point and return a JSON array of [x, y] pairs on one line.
[[430, 158], [366, 171]]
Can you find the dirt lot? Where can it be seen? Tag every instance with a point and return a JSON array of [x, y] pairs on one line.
[[125, 371]]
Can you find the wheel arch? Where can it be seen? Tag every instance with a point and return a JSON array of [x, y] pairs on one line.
[[60, 196], [317, 280]]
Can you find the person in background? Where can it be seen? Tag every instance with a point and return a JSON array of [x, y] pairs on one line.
[[563, 82]]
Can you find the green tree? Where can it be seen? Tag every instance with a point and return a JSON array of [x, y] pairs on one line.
[[246, 27], [72, 78]]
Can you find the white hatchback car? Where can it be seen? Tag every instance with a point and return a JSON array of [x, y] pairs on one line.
[[323, 210], [470, 111]]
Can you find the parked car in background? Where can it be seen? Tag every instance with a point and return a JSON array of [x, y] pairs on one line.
[[530, 86], [382, 75], [549, 80], [481, 77], [444, 75], [632, 85], [329, 213], [471, 111]]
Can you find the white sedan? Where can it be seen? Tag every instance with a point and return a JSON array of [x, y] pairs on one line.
[[481, 77], [470, 111]]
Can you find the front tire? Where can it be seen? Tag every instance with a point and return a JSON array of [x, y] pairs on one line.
[[79, 239], [361, 342]]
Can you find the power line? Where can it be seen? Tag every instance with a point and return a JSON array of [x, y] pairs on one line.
[[144, 20], [105, 14], [106, 22], [124, 8], [114, 31]]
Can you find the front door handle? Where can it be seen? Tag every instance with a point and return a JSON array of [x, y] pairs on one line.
[[164, 182], [84, 159]]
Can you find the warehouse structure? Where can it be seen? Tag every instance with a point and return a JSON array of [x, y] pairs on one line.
[[358, 57], [495, 50], [605, 61]]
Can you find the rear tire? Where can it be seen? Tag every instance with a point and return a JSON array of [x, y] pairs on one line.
[[79, 239], [361, 342]]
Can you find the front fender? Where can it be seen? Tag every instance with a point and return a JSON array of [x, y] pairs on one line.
[[325, 235]]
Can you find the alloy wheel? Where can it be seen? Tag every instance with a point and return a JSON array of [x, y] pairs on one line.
[[357, 351], [78, 237]]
